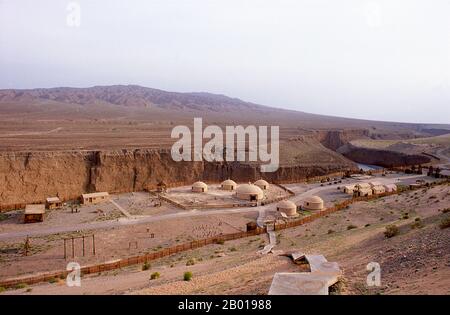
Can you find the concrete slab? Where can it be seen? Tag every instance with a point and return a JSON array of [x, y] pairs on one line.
[[323, 275], [299, 284]]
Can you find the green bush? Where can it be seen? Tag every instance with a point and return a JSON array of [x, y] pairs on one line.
[[391, 231], [2, 289], [146, 266], [187, 276], [154, 276]]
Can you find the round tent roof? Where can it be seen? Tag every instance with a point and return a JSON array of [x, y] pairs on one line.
[[249, 189], [314, 199], [229, 182], [286, 204], [261, 182], [199, 185]]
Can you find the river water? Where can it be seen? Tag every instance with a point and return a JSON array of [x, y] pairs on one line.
[[368, 167]]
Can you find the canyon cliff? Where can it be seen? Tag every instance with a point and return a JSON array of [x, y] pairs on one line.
[[28, 177]]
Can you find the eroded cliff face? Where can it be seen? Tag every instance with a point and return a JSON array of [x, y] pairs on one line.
[[32, 177], [334, 139], [385, 158]]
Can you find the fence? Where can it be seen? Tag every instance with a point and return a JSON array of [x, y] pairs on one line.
[[125, 262]]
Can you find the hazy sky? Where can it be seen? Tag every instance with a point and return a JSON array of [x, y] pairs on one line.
[[384, 60]]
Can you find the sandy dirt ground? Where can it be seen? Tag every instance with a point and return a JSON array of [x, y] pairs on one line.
[[416, 261]]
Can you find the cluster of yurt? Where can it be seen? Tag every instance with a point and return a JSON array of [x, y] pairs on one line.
[[228, 185], [261, 183], [349, 189], [199, 187], [249, 192], [363, 190], [390, 188], [288, 208], [313, 203], [377, 188], [368, 189]]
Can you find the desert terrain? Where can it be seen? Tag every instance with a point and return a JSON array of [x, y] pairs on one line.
[[68, 141], [415, 261]]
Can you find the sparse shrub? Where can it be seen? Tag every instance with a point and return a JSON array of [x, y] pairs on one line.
[[53, 280], [20, 286], [367, 225], [417, 225], [381, 219], [2, 289], [29, 290], [417, 219], [445, 223], [220, 242], [232, 249], [172, 265], [391, 231], [187, 276], [330, 231], [405, 216], [190, 262], [446, 210], [351, 227], [146, 266], [154, 275]]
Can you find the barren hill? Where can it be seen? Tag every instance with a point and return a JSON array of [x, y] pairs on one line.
[[106, 117], [71, 140]]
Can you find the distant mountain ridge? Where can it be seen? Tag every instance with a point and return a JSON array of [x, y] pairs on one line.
[[129, 95]]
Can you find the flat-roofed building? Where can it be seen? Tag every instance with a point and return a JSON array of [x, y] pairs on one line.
[[53, 203], [34, 213], [94, 198]]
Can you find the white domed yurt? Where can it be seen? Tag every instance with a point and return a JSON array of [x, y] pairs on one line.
[[313, 203], [199, 187], [262, 184], [249, 192], [228, 185], [288, 207]]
